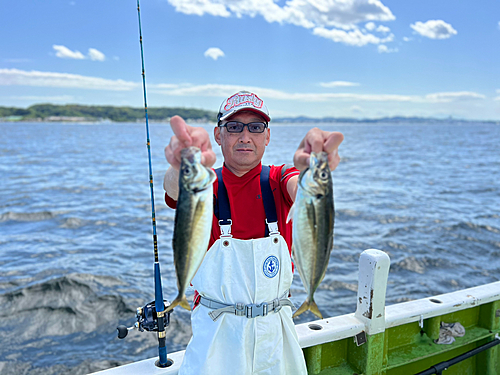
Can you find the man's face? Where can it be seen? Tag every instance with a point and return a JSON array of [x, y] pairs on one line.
[[242, 151]]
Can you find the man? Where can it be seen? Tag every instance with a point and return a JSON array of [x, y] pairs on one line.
[[248, 264]]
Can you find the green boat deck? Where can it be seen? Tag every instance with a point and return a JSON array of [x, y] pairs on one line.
[[388, 340], [408, 349]]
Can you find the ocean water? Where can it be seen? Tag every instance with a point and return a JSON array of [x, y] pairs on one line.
[[76, 253]]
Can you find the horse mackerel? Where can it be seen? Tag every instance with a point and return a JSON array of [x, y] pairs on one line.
[[313, 216], [193, 220]]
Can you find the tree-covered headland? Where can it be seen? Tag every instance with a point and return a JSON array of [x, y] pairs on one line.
[[75, 112]]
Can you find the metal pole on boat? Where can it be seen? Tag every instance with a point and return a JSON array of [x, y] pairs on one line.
[[159, 306]]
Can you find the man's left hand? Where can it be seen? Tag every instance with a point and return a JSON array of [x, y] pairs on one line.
[[317, 140]]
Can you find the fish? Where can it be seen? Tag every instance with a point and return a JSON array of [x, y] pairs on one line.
[[313, 219], [193, 221]]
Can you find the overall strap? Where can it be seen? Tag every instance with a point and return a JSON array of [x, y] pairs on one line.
[[224, 210], [268, 199]]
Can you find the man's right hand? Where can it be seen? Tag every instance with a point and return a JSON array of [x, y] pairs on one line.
[[186, 136]]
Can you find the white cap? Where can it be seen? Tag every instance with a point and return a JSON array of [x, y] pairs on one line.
[[243, 100]]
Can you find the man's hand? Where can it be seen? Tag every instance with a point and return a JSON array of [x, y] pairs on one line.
[[317, 140], [186, 136]]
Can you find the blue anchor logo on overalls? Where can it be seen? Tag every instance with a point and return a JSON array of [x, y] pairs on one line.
[[271, 266]]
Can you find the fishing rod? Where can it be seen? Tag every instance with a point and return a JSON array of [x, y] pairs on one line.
[[152, 316]]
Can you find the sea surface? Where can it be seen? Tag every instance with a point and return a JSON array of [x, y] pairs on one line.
[[76, 252]]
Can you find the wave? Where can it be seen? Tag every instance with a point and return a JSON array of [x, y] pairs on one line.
[[62, 306], [27, 216], [475, 227], [409, 264], [72, 223]]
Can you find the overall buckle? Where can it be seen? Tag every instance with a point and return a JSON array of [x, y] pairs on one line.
[[253, 310], [225, 228], [239, 309]]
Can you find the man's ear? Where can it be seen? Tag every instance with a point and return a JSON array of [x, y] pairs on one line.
[[268, 136], [217, 136]]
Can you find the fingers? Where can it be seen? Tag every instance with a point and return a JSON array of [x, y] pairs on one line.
[[332, 141], [317, 140], [173, 153], [186, 136], [301, 159], [181, 130]]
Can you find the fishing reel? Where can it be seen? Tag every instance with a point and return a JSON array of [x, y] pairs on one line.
[[147, 319]]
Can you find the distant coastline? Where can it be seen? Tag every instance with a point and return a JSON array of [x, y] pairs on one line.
[[74, 113]]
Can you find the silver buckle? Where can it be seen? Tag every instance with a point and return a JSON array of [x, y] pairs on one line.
[[273, 227], [225, 229], [239, 309], [253, 310]]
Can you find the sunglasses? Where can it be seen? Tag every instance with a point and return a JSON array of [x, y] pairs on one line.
[[237, 127]]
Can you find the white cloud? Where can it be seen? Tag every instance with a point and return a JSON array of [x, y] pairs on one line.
[[406, 39], [498, 90], [336, 13], [370, 26], [498, 25], [434, 29], [354, 37], [447, 97], [65, 53], [96, 55], [214, 53], [320, 15], [200, 7], [11, 77], [216, 90], [382, 48], [338, 84], [383, 29]]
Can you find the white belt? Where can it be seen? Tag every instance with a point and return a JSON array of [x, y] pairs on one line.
[[239, 309]]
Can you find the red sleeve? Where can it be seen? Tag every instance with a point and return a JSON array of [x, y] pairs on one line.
[[287, 172]]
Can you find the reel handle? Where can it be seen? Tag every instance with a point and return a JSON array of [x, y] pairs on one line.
[[123, 331]]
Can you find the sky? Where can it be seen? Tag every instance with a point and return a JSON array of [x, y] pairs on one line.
[[317, 58]]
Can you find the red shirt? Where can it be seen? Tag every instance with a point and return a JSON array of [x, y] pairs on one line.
[[247, 207]]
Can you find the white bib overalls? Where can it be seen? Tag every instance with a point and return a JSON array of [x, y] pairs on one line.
[[236, 344], [247, 272]]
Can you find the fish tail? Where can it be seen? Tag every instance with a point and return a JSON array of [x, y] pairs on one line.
[[180, 300], [308, 305]]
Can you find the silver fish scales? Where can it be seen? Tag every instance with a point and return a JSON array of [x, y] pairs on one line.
[[313, 220], [193, 220]]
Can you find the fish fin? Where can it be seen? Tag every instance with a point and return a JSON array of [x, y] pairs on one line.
[[314, 309], [290, 214], [180, 300], [308, 305]]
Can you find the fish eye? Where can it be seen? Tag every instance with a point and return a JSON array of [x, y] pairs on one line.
[[186, 170], [323, 175]]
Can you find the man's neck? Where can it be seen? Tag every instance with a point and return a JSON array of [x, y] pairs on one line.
[[238, 172]]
